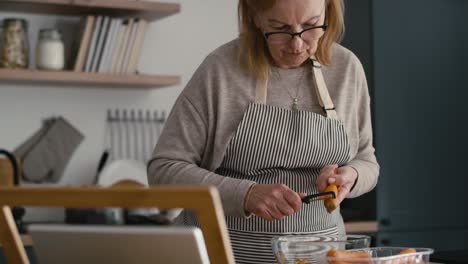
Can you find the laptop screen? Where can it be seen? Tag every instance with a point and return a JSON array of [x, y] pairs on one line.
[[78, 244]]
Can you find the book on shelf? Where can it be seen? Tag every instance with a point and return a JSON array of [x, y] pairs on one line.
[[92, 44], [105, 46], [123, 46], [84, 42], [129, 47], [120, 39], [104, 30], [137, 46], [110, 44]]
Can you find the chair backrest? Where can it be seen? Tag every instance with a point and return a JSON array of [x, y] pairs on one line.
[[203, 200], [10, 169]]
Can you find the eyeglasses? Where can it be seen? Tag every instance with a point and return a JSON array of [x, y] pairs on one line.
[[308, 34]]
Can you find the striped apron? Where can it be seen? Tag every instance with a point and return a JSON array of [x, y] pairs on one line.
[[275, 145]]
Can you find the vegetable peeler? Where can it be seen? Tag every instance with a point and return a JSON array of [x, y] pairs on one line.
[[319, 196]]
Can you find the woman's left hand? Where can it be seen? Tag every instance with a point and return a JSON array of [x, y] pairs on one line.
[[344, 177]]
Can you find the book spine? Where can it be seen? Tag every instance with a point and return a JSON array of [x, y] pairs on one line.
[[92, 45], [136, 50], [102, 36], [108, 46], [128, 48], [123, 47], [118, 46], [84, 42]]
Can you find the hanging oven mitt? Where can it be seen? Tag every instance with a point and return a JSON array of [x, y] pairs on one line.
[[45, 155]]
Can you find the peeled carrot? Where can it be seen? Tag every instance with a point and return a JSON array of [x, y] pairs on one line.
[[407, 259], [407, 251], [331, 203], [347, 254], [301, 261]]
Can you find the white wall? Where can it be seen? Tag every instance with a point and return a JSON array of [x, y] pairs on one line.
[[173, 45]]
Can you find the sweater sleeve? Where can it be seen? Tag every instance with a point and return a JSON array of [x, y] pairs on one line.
[[365, 162], [178, 154]]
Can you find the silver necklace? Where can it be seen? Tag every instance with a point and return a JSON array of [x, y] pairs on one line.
[[295, 99]]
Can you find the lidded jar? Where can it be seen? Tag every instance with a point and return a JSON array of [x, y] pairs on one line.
[[50, 50], [14, 42]]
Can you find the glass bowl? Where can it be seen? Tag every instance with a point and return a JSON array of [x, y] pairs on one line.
[[302, 249], [386, 255]]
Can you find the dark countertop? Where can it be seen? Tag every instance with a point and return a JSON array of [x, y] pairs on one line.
[[449, 257]]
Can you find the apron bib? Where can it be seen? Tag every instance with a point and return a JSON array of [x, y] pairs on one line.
[[275, 145]]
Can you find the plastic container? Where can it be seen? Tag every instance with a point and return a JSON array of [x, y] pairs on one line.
[[386, 255], [301, 249]]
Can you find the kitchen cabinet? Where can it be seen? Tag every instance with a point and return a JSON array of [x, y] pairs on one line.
[[358, 39], [441, 240], [415, 54]]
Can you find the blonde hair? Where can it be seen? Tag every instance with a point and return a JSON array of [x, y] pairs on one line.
[[254, 54]]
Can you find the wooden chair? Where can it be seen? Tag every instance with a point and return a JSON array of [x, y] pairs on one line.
[[205, 202]]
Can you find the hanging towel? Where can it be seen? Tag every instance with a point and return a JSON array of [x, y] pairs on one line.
[[46, 154]]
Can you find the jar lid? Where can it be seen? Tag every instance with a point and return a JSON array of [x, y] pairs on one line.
[[12, 20], [50, 33]]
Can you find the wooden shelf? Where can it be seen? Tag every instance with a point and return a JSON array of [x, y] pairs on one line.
[[83, 78], [145, 9]]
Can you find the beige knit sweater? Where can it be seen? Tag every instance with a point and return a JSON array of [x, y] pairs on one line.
[[209, 109]]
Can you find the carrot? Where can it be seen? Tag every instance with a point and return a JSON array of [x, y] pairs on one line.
[[347, 254], [407, 251], [331, 203], [407, 259], [301, 261]]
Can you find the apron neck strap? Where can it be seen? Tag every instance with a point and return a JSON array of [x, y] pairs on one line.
[[322, 92], [261, 91], [321, 89]]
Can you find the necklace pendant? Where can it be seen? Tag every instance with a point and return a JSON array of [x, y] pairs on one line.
[[295, 106]]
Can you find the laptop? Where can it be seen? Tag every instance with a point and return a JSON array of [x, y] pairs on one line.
[[78, 244]]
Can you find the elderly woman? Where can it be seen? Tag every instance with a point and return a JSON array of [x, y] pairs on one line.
[[279, 113]]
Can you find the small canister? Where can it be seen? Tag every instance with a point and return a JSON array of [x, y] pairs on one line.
[[50, 50], [14, 43]]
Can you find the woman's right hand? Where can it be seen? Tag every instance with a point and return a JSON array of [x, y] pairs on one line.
[[272, 201]]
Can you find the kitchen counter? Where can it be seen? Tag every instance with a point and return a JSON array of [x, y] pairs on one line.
[[27, 241], [358, 227], [361, 227]]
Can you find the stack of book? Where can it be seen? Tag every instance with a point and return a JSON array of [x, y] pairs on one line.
[[110, 44]]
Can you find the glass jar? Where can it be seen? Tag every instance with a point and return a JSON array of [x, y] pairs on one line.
[[50, 50], [14, 43]]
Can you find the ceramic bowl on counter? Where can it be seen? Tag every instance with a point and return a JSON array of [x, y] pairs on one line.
[[302, 249]]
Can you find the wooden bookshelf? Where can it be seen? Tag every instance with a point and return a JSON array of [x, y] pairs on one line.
[[145, 9], [84, 78], [149, 10]]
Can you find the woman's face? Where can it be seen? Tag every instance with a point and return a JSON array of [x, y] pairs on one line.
[[292, 16]]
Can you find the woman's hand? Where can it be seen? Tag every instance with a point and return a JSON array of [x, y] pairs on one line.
[[272, 201], [344, 177]]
